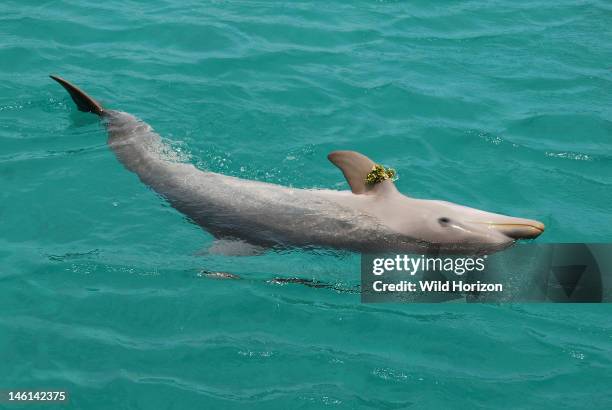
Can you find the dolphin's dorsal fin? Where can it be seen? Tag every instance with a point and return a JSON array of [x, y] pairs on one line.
[[356, 167]]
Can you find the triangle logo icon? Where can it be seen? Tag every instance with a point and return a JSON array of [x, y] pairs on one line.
[[568, 277]]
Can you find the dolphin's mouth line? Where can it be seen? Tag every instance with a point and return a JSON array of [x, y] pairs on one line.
[[536, 226], [493, 224], [516, 230]]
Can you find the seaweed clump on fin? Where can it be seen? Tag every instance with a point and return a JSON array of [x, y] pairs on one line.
[[379, 174]]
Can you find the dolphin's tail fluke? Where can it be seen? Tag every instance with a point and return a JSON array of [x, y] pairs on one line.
[[83, 101]]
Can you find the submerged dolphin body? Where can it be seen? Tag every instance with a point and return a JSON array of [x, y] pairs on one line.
[[373, 218]]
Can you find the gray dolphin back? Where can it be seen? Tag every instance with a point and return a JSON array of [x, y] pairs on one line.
[[228, 207]]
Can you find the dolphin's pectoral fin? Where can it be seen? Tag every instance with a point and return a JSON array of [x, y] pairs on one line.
[[217, 275], [234, 247], [356, 167]]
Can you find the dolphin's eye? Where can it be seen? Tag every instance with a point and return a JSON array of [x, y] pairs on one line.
[[443, 221]]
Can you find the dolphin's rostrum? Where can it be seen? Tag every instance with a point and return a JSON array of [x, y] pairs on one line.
[[369, 218]]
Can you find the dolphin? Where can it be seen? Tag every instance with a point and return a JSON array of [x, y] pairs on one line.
[[245, 215]]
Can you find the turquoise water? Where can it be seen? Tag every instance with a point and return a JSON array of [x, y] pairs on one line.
[[499, 105]]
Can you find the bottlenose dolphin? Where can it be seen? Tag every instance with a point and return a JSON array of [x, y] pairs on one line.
[[243, 213]]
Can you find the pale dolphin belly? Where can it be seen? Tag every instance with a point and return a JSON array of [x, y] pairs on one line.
[[258, 212]]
